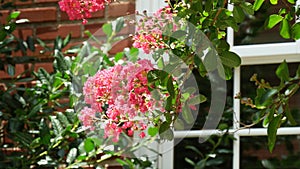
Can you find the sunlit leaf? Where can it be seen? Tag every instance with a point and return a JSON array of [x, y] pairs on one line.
[[285, 29], [118, 56], [88, 145], [274, 2], [257, 4], [57, 127], [152, 131], [13, 15], [71, 155], [274, 19], [63, 119], [296, 31]]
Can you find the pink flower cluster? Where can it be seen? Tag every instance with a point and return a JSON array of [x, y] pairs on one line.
[[149, 30], [82, 9], [120, 98]]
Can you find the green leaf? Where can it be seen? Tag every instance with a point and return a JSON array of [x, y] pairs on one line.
[[13, 15], [197, 99], [160, 63], [195, 149], [63, 119], [271, 113], [291, 1], [25, 138], [273, 20], [71, 155], [60, 62], [97, 141], [67, 40], [88, 145], [170, 87], [37, 108], [268, 164], [187, 114], [169, 105], [214, 162], [167, 134], [208, 6], [230, 59], [178, 124], [210, 60], [164, 127], [285, 29], [289, 115], [107, 29], [191, 162], [266, 122], [247, 7], [282, 72], [3, 35], [272, 131], [201, 164], [264, 97], [58, 43], [57, 127], [296, 31], [238, 14], [119, 24], [132, 54], [231, 22], [152, 131], [30, 42], [257, 4], [118, 56], [224, 72], [178, 34], [274, 2]]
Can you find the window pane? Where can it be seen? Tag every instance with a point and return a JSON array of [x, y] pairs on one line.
[[255, 153], [190, 151], [248, 90], [252, 30]]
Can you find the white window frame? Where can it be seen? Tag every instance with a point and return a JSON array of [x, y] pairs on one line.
[[250, 55]]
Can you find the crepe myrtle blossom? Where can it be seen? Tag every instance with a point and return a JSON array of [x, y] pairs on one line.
[[82, 9], [149, 30], [119, 97]]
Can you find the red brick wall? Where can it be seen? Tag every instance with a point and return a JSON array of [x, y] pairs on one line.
[[46, 21]]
